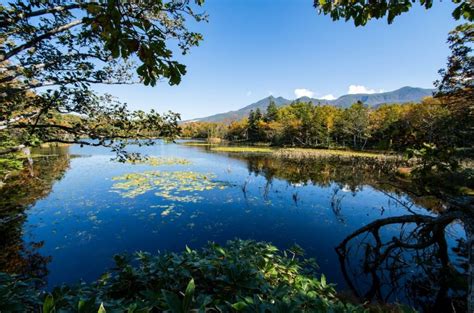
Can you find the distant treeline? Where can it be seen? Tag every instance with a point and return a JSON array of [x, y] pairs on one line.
[[386, 127]]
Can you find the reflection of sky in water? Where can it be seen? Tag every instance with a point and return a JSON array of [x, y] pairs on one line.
[[83, 223]]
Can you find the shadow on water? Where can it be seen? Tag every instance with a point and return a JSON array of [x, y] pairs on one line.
[[424, 265], [19, 193], [417, 256]]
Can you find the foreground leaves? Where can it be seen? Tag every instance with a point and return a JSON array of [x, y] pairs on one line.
[[244, 276]]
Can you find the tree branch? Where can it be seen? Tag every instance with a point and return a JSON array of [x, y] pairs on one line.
[[56, 9], [11, 150], [36, 40]]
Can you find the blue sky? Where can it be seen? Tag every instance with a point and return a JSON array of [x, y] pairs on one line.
[[252, 49]]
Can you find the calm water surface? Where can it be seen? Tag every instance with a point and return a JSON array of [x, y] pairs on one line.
[[75, 218]]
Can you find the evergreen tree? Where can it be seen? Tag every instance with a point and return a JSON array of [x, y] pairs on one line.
[[272, 112], [253, 125], [251, 118], [258, 115]]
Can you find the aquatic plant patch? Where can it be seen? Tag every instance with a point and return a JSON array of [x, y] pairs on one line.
[[159, 161], [181, 186]]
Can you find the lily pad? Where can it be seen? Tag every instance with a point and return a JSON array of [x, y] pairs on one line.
[[159, 161], [180, 186]]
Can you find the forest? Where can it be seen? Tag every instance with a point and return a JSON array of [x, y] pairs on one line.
[[388, 127]]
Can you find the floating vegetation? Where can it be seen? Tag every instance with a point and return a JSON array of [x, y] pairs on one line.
[[166, 212], [180, 186], [159, 161], [167, 209]]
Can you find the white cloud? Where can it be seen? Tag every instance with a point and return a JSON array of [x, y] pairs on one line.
[[302, 92], [249, 93], [328, 97], [353, 89]]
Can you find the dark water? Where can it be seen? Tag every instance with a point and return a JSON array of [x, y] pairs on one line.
[[66, 219]]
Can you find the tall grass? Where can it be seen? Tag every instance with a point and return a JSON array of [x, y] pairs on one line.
[[242, 149], [301, 153]]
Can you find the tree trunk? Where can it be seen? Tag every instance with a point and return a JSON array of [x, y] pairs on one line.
[[365, 142]]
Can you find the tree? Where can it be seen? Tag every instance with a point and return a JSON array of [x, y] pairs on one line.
[[355, 124], [237, 130], [51, 56], [439, 162], [363, 11], [329, 115], [448, 123], [456, 86], [384, 124], [254, 131], [272, 112]]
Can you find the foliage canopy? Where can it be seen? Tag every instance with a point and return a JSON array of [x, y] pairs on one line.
[[51, 56], [361, 11]]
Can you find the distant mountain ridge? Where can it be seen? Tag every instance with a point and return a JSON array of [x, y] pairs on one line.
[[402, 95]]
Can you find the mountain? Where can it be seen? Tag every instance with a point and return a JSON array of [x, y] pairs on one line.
[[402, 95], [239, 114]]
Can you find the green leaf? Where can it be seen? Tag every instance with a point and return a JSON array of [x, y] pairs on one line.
[[173, 301], [220, 250], [188, 295], [48, 304], [239, 306], [81, 305], [101, 308], [457, 12]]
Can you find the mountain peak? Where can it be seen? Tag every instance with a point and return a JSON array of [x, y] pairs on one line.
[[402, 95]]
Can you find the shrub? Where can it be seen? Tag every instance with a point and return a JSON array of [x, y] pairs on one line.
[[243, 276]]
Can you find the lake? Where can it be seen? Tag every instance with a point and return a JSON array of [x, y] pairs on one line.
[[65, 219]]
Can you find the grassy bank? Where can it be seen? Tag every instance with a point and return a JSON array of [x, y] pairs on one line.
[[303, 153], [242, 149], [197, 143]]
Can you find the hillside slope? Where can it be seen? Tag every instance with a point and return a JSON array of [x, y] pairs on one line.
[[402, 95]]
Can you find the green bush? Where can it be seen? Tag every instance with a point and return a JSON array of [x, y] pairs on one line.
[[245, 276]]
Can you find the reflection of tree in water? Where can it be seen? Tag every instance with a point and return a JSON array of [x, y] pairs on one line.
[[19, 193], [348, 173], [418, 265]]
